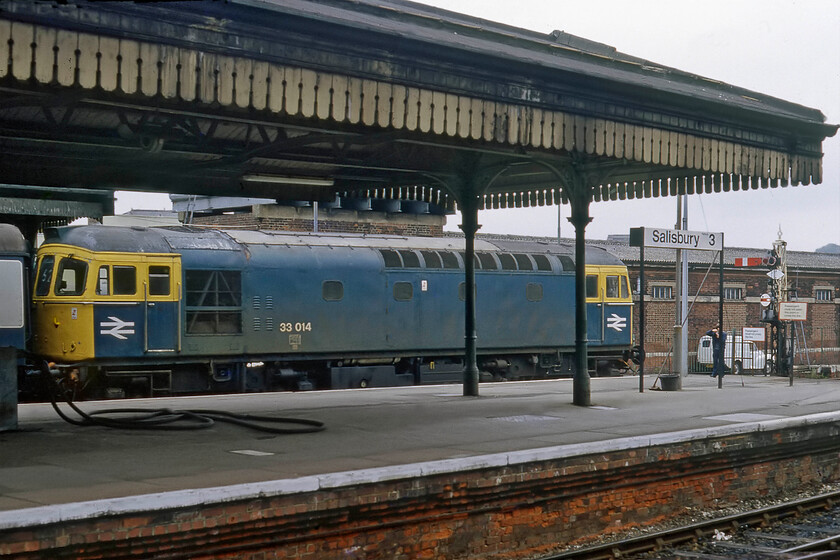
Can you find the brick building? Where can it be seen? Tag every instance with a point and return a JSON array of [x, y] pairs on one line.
[[813, 278]]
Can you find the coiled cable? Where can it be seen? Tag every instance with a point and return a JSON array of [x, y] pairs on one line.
[[168, 419]]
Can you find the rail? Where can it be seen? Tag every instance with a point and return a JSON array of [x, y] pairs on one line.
[[727, 536]]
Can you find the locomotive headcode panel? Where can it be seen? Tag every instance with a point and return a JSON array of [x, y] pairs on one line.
[[152, 311]]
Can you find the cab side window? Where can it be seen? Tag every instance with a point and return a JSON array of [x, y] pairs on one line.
[[591, 285], [612, 286], [124, 280], [103, 281], [159, 281]]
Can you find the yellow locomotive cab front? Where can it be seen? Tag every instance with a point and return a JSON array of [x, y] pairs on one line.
[[92, 305], [62, 314]]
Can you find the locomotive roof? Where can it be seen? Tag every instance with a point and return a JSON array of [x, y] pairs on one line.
[[140, 239], [12, 241]]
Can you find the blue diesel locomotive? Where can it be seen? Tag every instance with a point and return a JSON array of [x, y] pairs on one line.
[[163, 311]]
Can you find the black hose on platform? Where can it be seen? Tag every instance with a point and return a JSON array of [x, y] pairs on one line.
[[168, 419]]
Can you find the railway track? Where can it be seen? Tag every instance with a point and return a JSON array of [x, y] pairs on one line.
[[808, 528]]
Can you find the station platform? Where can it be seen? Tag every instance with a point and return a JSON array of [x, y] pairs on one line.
[[52, 471], [48, 462]]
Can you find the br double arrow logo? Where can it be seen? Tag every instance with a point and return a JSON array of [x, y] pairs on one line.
[[119, 328], [616, 322]]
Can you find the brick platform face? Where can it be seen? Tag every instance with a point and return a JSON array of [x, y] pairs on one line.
[[510, 512]]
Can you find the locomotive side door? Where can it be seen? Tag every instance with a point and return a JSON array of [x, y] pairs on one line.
[[594, 308], [161, 301]]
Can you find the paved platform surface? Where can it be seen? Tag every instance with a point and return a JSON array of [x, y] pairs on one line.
[[48, 461]]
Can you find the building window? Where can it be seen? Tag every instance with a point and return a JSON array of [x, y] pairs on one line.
[[662, 292], [824, 294], [733, 293]]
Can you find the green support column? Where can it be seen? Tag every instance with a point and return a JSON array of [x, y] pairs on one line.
[[469, 217], [580, 218]]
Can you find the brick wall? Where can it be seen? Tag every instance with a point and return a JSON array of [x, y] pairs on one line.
[[512, 511], [289, 218], [821, 330]]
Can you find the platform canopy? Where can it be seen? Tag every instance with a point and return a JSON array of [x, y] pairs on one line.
[[386, 98], [307, 99]]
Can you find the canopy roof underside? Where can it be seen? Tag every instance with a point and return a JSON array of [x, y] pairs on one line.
[[306, 99]]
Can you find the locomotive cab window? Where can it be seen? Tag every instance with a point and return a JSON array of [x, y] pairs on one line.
[[103, 282], [159, 281], [42, 287], [618, 287], [612, 286], [71, 276], [591, 286], [124, 281]]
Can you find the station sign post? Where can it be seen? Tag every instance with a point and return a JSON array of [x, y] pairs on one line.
[[660, 238]]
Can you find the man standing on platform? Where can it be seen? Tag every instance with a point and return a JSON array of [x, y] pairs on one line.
[[718, 345]]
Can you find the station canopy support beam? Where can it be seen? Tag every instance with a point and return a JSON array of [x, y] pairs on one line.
[[580, 218]]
